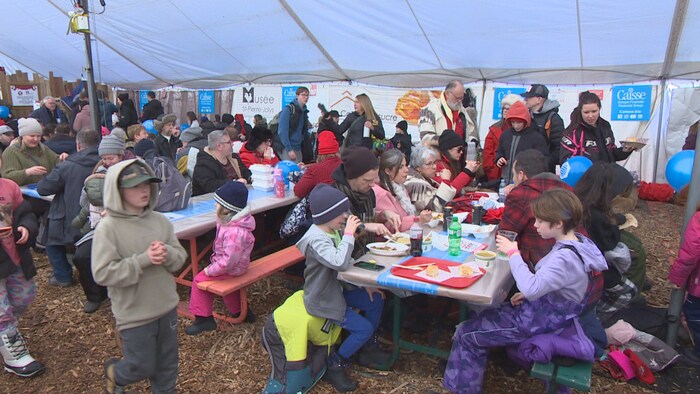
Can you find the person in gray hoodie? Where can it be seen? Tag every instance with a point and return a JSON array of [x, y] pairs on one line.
[[134, 253], [327, 252]]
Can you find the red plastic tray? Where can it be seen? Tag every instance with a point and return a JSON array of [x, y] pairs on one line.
[[457, 283]]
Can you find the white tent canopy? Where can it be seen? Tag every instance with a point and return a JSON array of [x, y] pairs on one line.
[[403, 43]]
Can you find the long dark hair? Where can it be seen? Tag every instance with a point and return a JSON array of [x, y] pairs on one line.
[[391, 160], [595, 189], [583, 99]]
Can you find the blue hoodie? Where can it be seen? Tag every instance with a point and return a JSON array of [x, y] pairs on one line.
[[560, 270]]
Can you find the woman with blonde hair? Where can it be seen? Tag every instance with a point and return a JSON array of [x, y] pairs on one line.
[[362, 125]]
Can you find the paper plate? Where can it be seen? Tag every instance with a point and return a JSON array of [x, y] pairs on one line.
[[634, 144], [479, 232], [392, 249]]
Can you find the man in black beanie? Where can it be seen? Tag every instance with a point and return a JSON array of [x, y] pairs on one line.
[[402, 140]]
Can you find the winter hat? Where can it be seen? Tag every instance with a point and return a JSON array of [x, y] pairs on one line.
[[448, 140], [258, 136], [357, 160], [119, 133], [518, 111], [536, 90], [143, 146], [227, 118], [510, 99], [190, 134], [111, 145], [169, 118], [4, 129], [29, 126], [232, 195], [327, 143], [327, 203], [403, 125]]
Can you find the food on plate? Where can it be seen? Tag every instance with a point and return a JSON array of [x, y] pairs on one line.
[[402, 240], [437, 216], [432, 271], [485, 255], [466, 270], [410, 104], [387, 248]]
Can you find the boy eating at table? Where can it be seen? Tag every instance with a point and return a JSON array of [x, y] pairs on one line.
[[134, 253], [327, 252], [564, 283]]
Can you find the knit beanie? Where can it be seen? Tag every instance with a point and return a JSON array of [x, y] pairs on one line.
[[111, 145], [403, 125], [227, 118], [119, 133], [4, 129], [357, 160], [232, 195], [190, 134], [448, 140], [29, 126], [169, 118], [510, 99], [327, 143], [327, 203]]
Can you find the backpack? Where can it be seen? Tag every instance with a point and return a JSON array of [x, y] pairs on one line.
[[274, 127], [175, 189]]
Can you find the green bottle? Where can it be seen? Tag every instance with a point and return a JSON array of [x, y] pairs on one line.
[[454, 235]]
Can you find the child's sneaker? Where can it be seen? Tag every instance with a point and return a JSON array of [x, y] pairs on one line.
[[111, 386], [16, 356], [201, 324]]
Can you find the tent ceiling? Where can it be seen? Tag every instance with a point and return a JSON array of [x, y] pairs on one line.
[[407, 43]]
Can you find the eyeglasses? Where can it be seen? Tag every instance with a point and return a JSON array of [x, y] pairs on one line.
[[430, 163], [225, 142], [457, 97]]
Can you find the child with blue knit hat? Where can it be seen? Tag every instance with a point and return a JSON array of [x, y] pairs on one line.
[[231, 255], [327, 252]]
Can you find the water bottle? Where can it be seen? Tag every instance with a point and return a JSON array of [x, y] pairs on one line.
[[454, 235], [416, 232], [502, 191], [279, 183], [471, 151]]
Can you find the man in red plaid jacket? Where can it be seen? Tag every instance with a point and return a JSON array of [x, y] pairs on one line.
[[531, 178]]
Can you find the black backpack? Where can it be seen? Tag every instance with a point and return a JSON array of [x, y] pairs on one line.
[[175, 190]]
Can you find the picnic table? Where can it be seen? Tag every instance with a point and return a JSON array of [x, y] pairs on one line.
[[487, 292]]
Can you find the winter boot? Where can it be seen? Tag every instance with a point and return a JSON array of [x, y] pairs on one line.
[[250, 317], [111, 386], [201, 324], [336, 374], [16, 356], [371, 355]]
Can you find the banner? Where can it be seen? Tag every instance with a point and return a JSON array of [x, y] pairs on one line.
[[631, 103], [253, 100], [24, 95], [205, 101], [143, 99], [498, 94], [289, 93]]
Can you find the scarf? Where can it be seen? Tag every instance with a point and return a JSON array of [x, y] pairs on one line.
[[361, 205], [402, 196]]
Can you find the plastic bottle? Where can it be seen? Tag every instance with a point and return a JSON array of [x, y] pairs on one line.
[[471, 151], [446, 218], [416, 232], [454, 235], [502, 191], [279, 183]]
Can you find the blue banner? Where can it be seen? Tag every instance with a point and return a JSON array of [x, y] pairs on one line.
[[498, 94], [143, 98], [205, 101], [289, 93], [631, 103]]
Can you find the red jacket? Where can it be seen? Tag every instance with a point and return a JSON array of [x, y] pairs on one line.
[[254, 157], [518, 217], [317, 173], [488, 157], [458, 182], [686, 269]]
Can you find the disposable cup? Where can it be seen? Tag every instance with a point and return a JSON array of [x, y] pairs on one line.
[[511, 236]]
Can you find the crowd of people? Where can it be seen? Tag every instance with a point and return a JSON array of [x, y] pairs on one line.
[[569, 257]]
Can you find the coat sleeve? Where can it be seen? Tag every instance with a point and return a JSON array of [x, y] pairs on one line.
[[306, 183], [108, 267], [549, 278], [283, 128], [52, 183], [555, 134], [378, 131], [206, 177], [569, 146], [500, 150], [176, 253], [516, 212], [238, 246], [688, 255], [245, 172], [24, 217], [345, 124], [12, 168], [327, 254], [489, 155]]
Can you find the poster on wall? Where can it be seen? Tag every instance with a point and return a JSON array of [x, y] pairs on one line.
[[631, 103], [205, 101], [498, 94], [289, 93], [143, 99], [253, 100], [24, 95]]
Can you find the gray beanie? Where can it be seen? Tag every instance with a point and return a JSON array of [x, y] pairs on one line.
[[327, 203], [119, 133], [111, 145], [29, 126], [190, 134]]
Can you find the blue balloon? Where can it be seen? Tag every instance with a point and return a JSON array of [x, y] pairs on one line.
[[184, 126], [573, 169], [4, 112], [149, 126], [679, 168], [287, 166]]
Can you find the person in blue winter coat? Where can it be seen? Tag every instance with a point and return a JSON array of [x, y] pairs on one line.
[[565, 282]]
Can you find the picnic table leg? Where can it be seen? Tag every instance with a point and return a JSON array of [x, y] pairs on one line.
[[195, 256]]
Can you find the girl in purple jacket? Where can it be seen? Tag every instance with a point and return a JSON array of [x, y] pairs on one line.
[[685, 272], [231, 255], [562, 285]]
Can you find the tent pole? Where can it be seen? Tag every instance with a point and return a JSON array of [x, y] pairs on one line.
[[658, 132], [92, 91], [678, 295]]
